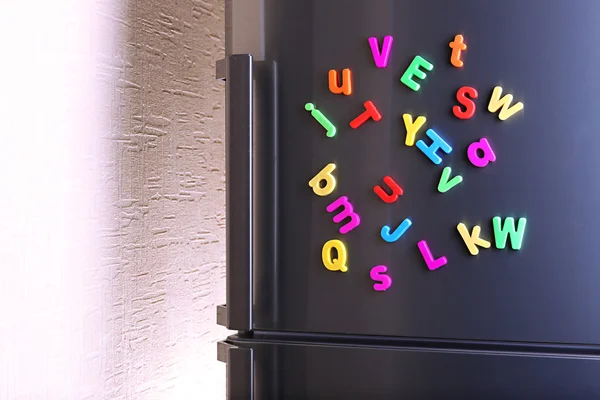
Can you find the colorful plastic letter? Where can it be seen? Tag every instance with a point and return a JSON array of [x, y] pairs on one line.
[[447, 184], [507, 110], [473, 240], [323, 176], [414, 71], [457, 46], [370, 112], [335, 264], [412, 127], [396, 190], [378, 274], [432, 264], [501, 232], [347, 212], [391, 237], [318, 115], [462, 96], [381, 58], [346, 87], [488, 153], [431, 150]]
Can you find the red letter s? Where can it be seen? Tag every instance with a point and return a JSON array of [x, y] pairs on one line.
[[461, 96]]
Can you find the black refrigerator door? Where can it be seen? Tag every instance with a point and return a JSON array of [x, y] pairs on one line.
[[281, 371], [544, 53]]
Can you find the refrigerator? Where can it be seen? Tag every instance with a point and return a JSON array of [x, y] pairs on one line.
[[412, 199]]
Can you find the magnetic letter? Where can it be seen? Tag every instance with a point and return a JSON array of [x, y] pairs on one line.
[[346, 87], [414, 71], [473, 240], [438, 144], [378, 274], [391, 237], [501, 232], [446, 184], [323, 176], [412, 127], [461, 97], [428, 257], [488, 153], [335, 264], [507, 110], [347, 212], [370, 112], [381, 58], [457, 46], [318, 115], [396, 190]]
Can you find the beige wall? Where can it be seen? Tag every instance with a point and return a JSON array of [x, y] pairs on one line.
[[112, 235]]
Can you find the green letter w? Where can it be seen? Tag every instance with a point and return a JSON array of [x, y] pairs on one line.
[[501, 232]]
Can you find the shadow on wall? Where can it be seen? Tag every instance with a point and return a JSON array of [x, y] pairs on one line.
[[112, 246]]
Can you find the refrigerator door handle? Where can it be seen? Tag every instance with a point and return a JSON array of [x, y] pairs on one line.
[[239, 92], [240, 374], [240, 370]]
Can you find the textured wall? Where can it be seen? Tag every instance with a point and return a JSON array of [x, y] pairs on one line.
[[165, 241], [112, 244]]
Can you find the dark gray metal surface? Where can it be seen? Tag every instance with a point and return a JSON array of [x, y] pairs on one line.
[[293, 370], [545, 54]]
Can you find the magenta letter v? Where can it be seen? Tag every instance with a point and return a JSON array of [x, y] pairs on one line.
[[381, 58]]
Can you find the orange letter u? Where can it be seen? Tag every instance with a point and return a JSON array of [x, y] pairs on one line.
[[346, 87]]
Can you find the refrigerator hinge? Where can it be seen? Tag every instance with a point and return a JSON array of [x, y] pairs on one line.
[[222, 349], [221, 69], [222, 315]]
